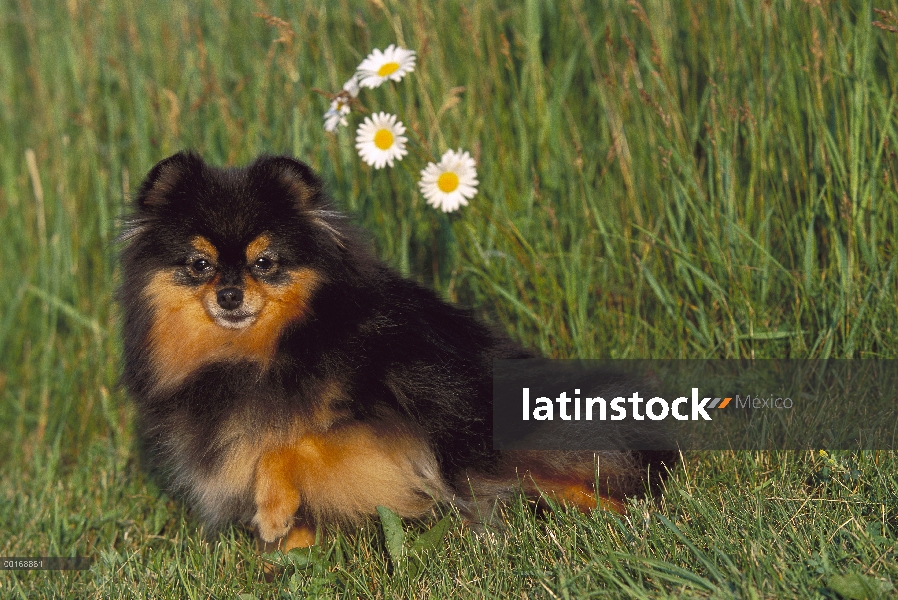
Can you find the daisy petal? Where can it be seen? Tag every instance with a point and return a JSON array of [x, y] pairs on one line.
[[351, 87]]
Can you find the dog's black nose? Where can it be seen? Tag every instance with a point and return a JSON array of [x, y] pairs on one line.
[[230, 298]]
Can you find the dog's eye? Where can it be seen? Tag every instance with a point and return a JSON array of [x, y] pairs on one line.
[[263, 264], [201, 265]]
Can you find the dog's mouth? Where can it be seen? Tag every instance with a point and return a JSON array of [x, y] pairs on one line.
[[234, 319]]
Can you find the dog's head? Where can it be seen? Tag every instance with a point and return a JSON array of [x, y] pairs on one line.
[[226, 259]]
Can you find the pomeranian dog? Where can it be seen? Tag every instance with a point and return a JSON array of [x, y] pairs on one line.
[[285, 378]]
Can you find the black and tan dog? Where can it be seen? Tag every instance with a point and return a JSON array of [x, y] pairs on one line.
[[284, 377]]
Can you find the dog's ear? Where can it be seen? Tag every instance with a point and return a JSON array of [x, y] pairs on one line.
[[156, 190], [300, 180], [306, 190]]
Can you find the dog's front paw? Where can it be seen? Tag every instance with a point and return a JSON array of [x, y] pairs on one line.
[[272, 525], [277, 498]]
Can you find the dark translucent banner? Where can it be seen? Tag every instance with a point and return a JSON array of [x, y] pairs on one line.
[[541, 404]]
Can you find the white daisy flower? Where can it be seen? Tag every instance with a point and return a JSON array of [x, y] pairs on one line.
[[393, 64], [340, 105], [336, 114], [451, 183], [380, 141]]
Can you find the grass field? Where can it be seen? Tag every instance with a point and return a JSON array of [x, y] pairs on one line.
[[668, 180]]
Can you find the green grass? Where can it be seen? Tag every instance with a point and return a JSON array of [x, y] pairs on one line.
[[669, 180]]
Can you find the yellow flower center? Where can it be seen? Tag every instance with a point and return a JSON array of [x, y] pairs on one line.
[[388, 69], [383, 139], [447, 182]]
